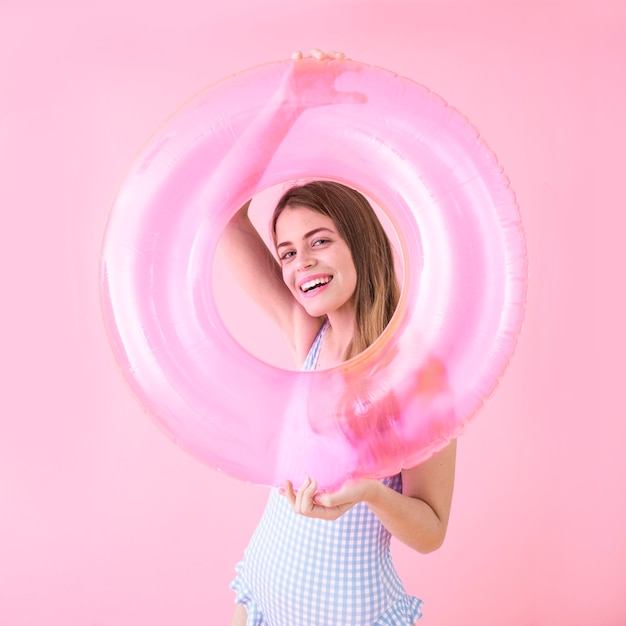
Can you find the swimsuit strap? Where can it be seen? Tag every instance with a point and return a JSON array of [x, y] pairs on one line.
[[310, 363]]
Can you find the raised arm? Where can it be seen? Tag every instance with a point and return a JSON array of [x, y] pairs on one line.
[[308, 83], [256, 270]]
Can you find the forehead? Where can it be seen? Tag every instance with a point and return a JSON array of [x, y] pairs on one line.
[[296, 222]]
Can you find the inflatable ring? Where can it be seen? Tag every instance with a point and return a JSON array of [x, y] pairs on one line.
[[463, 289]]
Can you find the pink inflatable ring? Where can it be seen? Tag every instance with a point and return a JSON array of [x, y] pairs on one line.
[[410, 393]]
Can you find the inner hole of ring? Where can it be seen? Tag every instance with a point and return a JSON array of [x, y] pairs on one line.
[[245, 321]]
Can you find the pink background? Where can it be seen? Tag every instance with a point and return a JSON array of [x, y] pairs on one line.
[[103, 521]]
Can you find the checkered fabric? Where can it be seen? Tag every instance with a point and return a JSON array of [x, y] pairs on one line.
[[310, 363], [299, 571]]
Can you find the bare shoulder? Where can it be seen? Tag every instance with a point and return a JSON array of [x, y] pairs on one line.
[[304, 330]]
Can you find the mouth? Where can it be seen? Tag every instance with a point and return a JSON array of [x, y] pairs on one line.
[[315, 283]]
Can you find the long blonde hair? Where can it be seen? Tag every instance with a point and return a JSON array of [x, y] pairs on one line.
[[377, 291]]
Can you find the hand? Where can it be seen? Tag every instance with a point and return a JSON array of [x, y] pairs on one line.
[[311, 80], [319, 54], [328, 506]]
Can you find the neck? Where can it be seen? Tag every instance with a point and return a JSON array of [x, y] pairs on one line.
[[336, 339]]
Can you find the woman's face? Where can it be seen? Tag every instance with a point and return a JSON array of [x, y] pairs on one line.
[[316, 261]]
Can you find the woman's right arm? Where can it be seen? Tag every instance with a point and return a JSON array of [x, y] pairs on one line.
[[255, 269], [308, 83]]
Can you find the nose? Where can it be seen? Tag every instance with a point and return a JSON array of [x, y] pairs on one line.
[[305, 260]]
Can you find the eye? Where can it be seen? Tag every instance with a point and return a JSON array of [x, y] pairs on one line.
[[288, 255], [320, 242]]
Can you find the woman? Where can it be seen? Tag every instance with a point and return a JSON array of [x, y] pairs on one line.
[[323, 558]]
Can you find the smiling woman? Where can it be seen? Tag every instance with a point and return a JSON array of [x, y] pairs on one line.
[[370, 437], [336, 265]]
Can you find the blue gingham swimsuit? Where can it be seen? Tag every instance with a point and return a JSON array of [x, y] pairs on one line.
[[300, 571]]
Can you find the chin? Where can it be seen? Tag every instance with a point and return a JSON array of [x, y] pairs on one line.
[[316, 311]]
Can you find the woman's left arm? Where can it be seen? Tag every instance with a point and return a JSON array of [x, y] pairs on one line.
[[418, 516]]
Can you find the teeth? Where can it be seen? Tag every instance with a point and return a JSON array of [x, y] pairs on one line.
[[316, 282]]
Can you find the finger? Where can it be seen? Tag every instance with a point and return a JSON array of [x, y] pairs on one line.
[[296, 55], [288, 492], [332, 500], [347, 494], [306, 496], [325, 499], [299, 503], [316, 53]]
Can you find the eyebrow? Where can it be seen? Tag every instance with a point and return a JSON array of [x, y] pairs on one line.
[[306, 236]]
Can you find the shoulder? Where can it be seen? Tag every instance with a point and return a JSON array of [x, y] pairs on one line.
[[305, 330]]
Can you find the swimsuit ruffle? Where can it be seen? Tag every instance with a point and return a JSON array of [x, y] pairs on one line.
[[404, 612], [243, 596]]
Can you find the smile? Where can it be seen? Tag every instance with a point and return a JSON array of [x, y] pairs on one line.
[[315, 283]]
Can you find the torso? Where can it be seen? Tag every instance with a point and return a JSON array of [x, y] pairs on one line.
[[301, 571]]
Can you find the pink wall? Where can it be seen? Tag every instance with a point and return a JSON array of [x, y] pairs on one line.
[[103, 521]]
